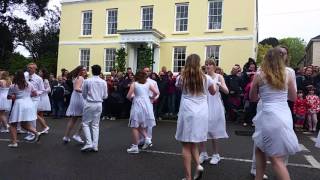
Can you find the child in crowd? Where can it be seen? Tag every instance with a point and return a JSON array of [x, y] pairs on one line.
[[313, 104], [300, 110]]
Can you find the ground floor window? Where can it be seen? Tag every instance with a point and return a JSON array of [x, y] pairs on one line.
[[213, 52], [85, 58], [109, 59], [179, 58]]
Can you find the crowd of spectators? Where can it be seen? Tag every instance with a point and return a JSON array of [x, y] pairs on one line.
[[237, 104]]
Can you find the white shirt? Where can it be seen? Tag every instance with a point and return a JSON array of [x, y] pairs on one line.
[[94, 89], [37, 83], [155, 85]]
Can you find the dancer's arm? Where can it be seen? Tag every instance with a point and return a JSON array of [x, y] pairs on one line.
[[292, 91], [130, 93], [223, 85], [253, 94]]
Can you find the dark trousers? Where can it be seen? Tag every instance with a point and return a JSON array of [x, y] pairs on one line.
[[58, 108]]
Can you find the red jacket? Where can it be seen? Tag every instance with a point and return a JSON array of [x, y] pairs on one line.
[[300, 107]]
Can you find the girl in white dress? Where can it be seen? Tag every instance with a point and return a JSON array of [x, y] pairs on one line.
[[217, 120], [20, 92], [141, 114], [192, 125], [5, 104], [44, 103], [274, 136], [75, 108]]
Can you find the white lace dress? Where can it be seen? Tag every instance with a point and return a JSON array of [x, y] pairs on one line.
[[23, 109], [217, 119], [5, 104], [141, 114], [274, 133], [76, 102], [192, 125], [44, 103]]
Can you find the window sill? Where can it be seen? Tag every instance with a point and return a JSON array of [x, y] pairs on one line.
[[85, 36], [111, 35], [180, 33], [214, 31]]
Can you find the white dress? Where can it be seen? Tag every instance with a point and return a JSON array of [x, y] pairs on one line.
[[76, 102], [192, 125], [44, 103], [23, 109], [5, 104], [141, 114], [274, 133], [318, 140], [217, 119]]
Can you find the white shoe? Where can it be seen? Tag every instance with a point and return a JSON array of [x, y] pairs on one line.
[[13, 145], [29, 137], [253, 173], [112, 119], [86, 148], [78, 139], [4, 131], [198, 173], [215, 159], [147, 144], [133, 149], [95, 149], [46, 130], [65, 139], [203, 157], [20, 131]]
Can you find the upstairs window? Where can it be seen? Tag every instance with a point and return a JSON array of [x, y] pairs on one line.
[[86, 23], [215, 14], [182, 17], [112, 21], [147, 17]]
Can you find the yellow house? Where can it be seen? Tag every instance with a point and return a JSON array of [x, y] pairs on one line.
[[92, 31]]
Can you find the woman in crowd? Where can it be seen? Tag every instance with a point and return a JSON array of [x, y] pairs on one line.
[[217, 120], [20, 92], [75, 108], [5, 104], [44, 103], [192, 125], [313, 107], [141, 115], [274, 136]]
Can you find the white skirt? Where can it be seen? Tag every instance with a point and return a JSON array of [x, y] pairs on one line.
[[141, 113], [318, 140], [192, 125], [217, 119], [23, 110], [5, 104], [76, 105], [44, 103], [274, 133]]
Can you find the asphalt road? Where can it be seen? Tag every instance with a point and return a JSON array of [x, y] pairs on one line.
[[50, 159]]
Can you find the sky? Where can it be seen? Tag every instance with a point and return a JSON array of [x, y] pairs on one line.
[[289, 18], [277, 18]]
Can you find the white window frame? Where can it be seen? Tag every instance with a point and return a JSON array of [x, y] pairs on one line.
[[82, 60], [83, 24], [142, 17], [108, 23], [176, 18], [208, 20], [106, 59], [175, 69], [217, 60]]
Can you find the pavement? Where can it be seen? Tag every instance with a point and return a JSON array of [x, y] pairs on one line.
[[50, 159]]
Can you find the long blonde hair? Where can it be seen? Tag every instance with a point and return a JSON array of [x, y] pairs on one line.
[[192, 76], [273, 66], [6, 77]]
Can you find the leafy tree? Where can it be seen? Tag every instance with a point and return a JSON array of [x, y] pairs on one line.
[[296, 48], [18, 62], [262, 51], [270, 41], [120, 63], [14, 29], [145, 58]]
